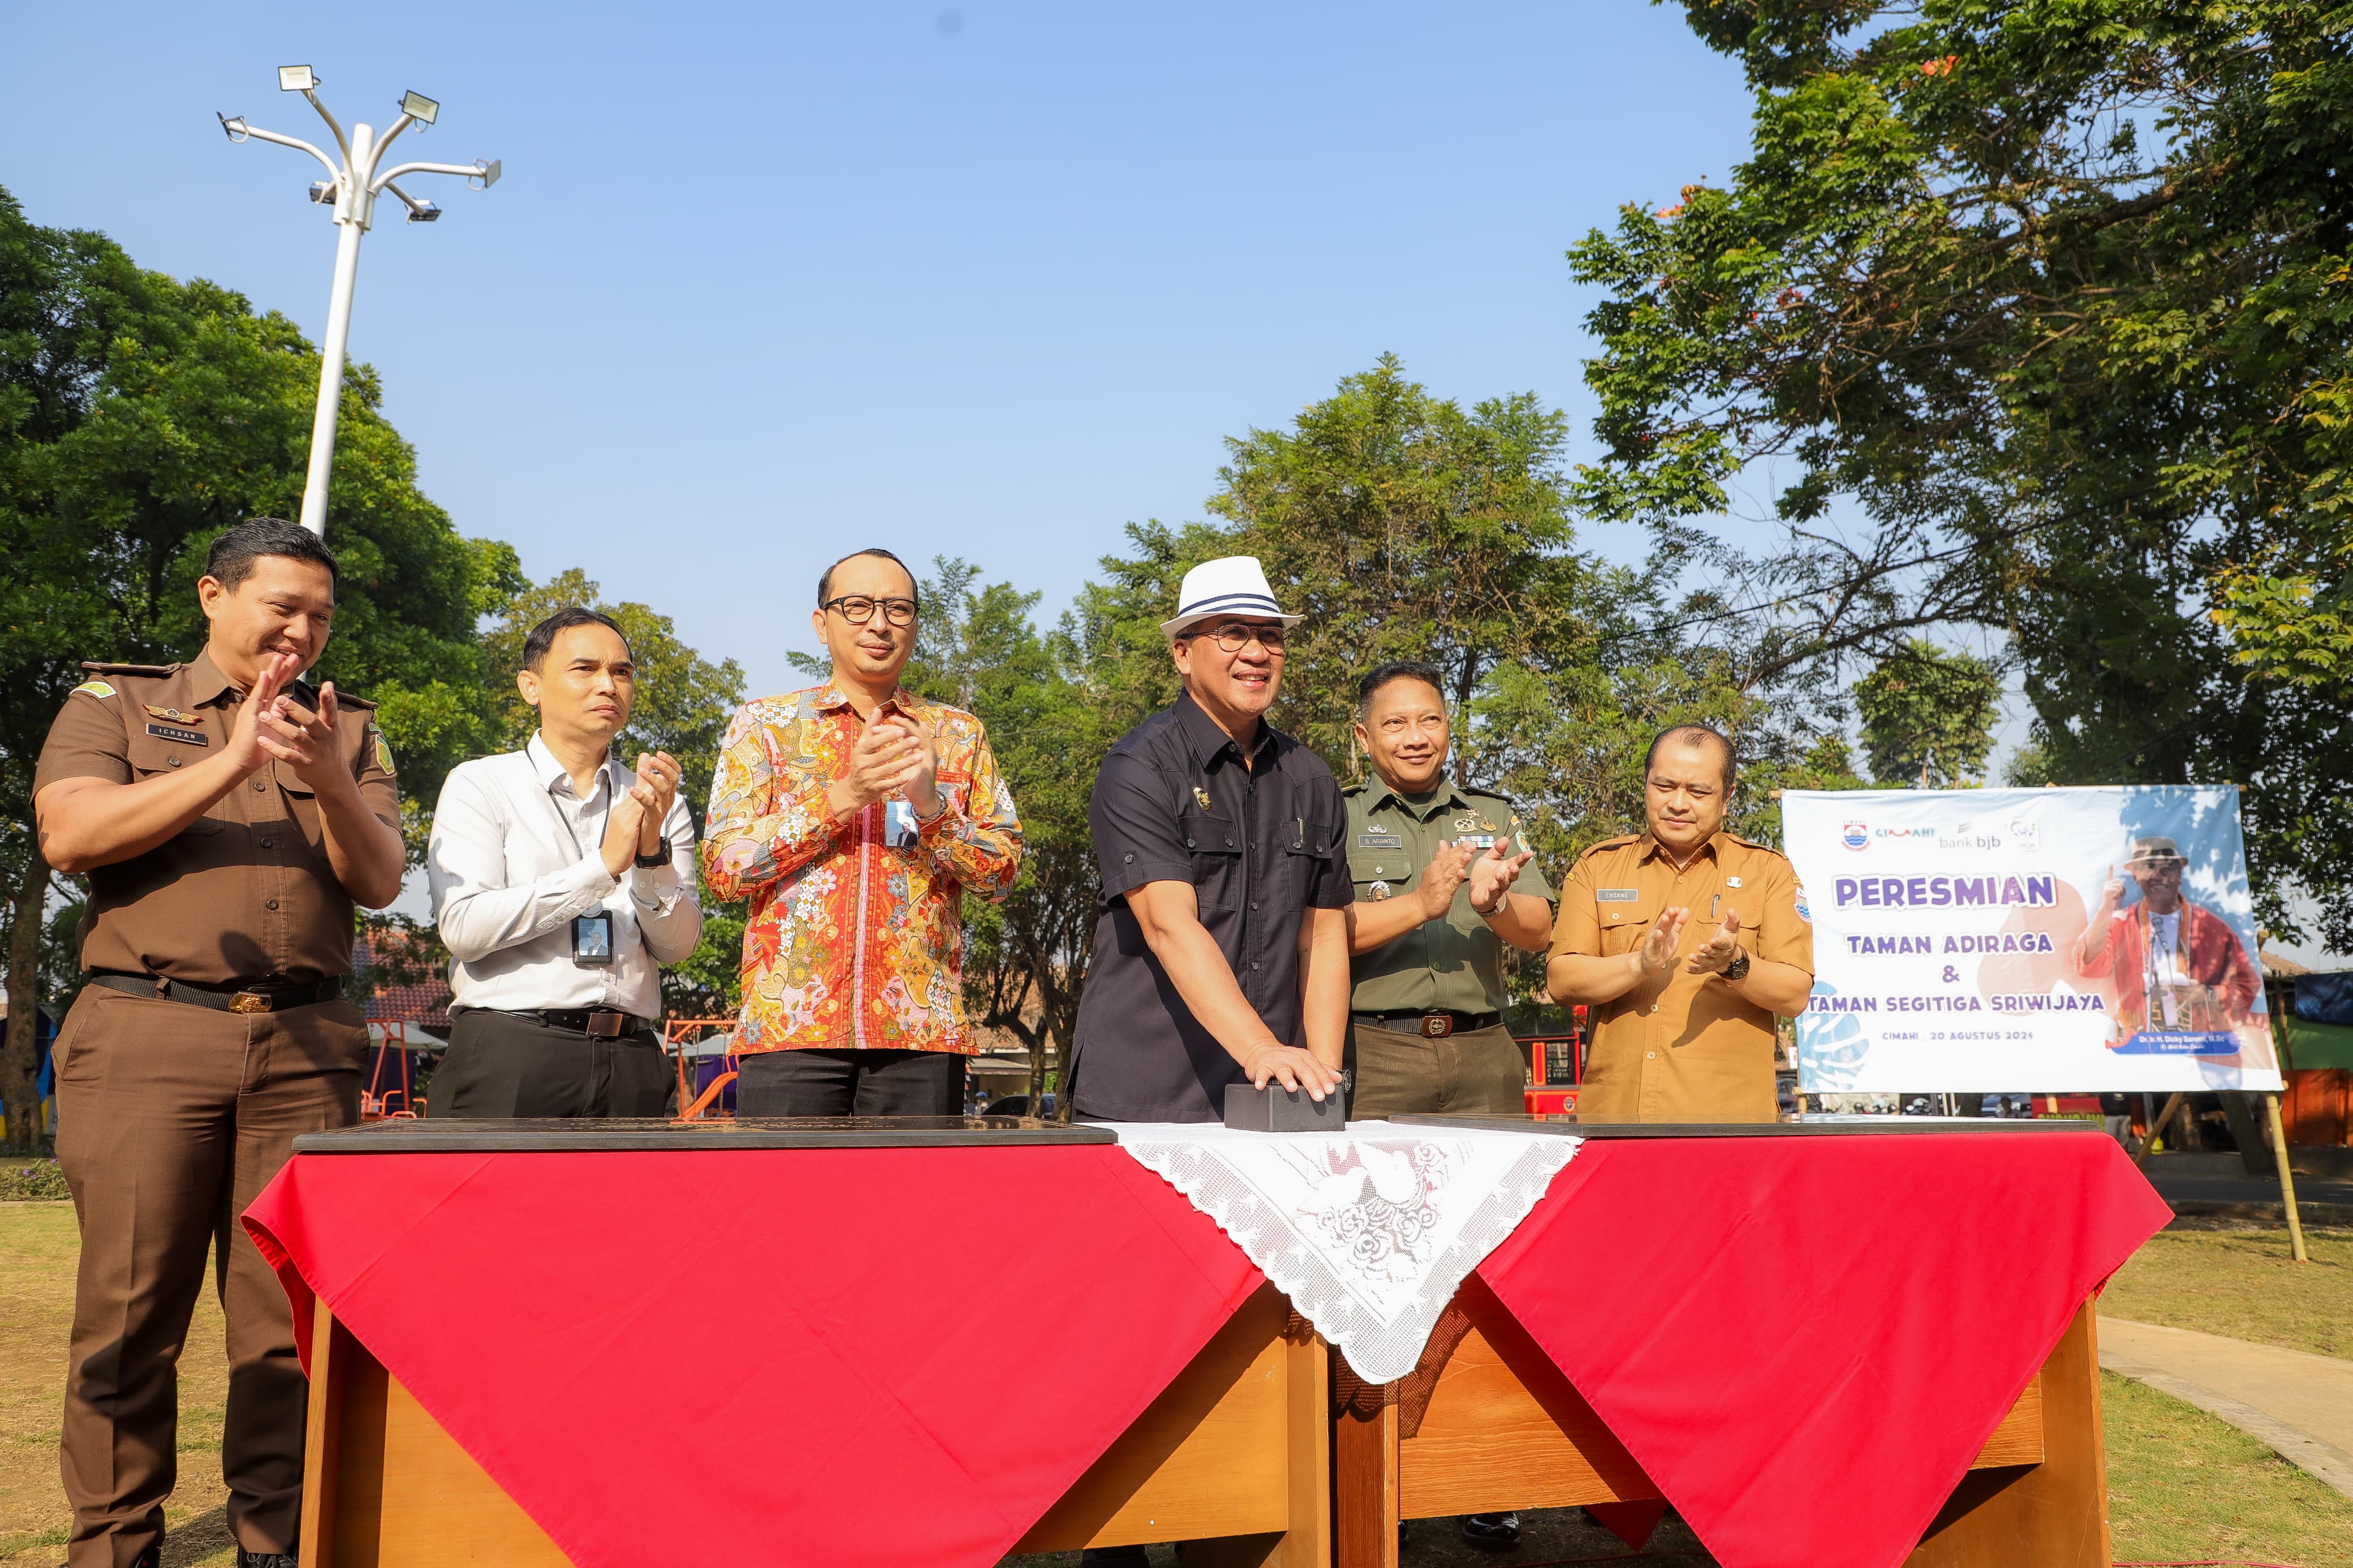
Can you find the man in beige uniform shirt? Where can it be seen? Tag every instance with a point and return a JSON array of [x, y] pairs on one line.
[[1683, 943]]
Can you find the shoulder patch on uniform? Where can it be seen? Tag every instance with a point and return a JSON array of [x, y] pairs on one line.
[[95, 689], [383, 749], [99, 667]]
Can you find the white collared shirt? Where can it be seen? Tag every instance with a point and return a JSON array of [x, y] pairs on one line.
[[516, 853]]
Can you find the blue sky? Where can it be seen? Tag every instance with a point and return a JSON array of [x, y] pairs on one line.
[[763, 283]]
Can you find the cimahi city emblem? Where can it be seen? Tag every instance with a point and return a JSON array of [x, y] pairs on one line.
[[1854, 835]]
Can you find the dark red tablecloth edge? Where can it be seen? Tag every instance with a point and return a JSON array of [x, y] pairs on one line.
[[1649, 1450], [302, 1295]]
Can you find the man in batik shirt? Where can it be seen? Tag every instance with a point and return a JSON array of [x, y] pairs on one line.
[[855, 817]]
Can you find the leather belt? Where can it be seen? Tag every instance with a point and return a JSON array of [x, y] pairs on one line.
[[1429, 1026], [223, 998], [596, 1022]]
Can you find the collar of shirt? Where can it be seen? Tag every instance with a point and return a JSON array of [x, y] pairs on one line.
[[1381, 793], [1208, 743], [831, 699], [1651, 847], [553, 777]]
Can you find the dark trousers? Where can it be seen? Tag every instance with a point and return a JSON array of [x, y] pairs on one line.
[[1480, 1072], [171, 1119], [503, 1064], [849, 1083]]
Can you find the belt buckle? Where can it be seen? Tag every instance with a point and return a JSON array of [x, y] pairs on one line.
[[251, 1001], [1437, 1026], [603, 1024]]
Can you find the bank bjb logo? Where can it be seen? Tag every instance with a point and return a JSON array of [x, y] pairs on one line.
[[1854, 835]]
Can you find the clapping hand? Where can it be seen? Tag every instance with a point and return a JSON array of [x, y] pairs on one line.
[[1493, 874], [1441, 877], [1721, 949], [1657, 953], [888, 757], [656, 790], [261, 705], [303, 737]]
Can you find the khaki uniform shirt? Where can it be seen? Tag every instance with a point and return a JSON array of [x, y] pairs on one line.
[[1681, 1047], [243, 894], [1451, 965]]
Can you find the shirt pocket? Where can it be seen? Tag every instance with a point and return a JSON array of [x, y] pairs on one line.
[[1214, 844], [151, 755], [1624, 922], [1306, 843], [302, 802]]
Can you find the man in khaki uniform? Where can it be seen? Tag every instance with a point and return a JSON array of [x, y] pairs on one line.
[[1683, 943], [1439, 893], [227, 816]]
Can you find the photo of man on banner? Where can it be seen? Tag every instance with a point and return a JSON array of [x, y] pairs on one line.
[[2185, 983]]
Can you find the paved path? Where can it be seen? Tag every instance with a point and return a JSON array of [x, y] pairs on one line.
[[2301, 1404], [2320, 1199]]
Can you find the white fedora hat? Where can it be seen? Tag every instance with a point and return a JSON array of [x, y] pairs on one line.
[[1229, 586]]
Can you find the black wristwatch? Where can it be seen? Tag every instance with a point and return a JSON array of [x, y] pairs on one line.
[[1739, 968], [655, 861]]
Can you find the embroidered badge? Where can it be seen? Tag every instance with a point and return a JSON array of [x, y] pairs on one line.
[[383, 749], [1202, 796], [169, 715], [1732, 881], [185, 737], [96, 688], [1619, 895]]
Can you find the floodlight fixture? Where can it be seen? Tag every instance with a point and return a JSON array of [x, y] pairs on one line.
[[350, 192]]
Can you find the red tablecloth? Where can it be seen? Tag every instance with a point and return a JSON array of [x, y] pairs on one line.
[[1805, 1341], [767, 1356], [845, 1357]]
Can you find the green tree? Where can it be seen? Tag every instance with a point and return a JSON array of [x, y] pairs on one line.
[[1929, 715], [138, 416], [682, 706], [2035, 315]]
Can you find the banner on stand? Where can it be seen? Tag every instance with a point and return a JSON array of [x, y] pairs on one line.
[[2042, 940]]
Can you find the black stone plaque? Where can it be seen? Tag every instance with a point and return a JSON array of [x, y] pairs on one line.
[[568, 1135]]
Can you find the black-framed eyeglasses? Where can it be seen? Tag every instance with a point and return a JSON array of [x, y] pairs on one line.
[[857, 609], [1234, 636]]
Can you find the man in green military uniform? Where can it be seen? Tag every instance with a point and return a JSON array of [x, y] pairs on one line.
[[1439, 892]]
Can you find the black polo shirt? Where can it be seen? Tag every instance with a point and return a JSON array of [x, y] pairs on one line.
[[1260, 844]]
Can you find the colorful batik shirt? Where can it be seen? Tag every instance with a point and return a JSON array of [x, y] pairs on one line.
[[852, 942]]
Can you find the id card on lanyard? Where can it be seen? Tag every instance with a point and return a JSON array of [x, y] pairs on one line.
[[592, 934]]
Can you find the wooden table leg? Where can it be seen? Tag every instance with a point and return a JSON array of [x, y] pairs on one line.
[[323, 1432], [2051, 1515], [1365, 1485]]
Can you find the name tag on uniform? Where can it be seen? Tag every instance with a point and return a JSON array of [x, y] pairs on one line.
[[1620, 895], [185, 737], [1381, 841]]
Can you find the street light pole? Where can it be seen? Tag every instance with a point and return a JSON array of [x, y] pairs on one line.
[[352, 187]]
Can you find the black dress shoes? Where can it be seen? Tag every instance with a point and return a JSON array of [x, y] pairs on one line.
[[1491, 1532]]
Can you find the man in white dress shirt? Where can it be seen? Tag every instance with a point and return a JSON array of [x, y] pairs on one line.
[[562, 883]]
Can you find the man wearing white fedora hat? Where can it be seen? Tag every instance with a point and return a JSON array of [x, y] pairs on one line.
[[1221, 949]]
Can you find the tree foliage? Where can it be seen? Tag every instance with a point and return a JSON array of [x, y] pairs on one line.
[[2033, 314], [1928, 716]]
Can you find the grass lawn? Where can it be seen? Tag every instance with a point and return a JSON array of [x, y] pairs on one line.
[[2183, 1487], [2241, 1282]]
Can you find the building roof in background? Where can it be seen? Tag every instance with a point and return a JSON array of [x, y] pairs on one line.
[[424, 1002], [2279, 968]]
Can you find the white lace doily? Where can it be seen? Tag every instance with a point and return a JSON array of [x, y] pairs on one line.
[[1368, 1231]]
